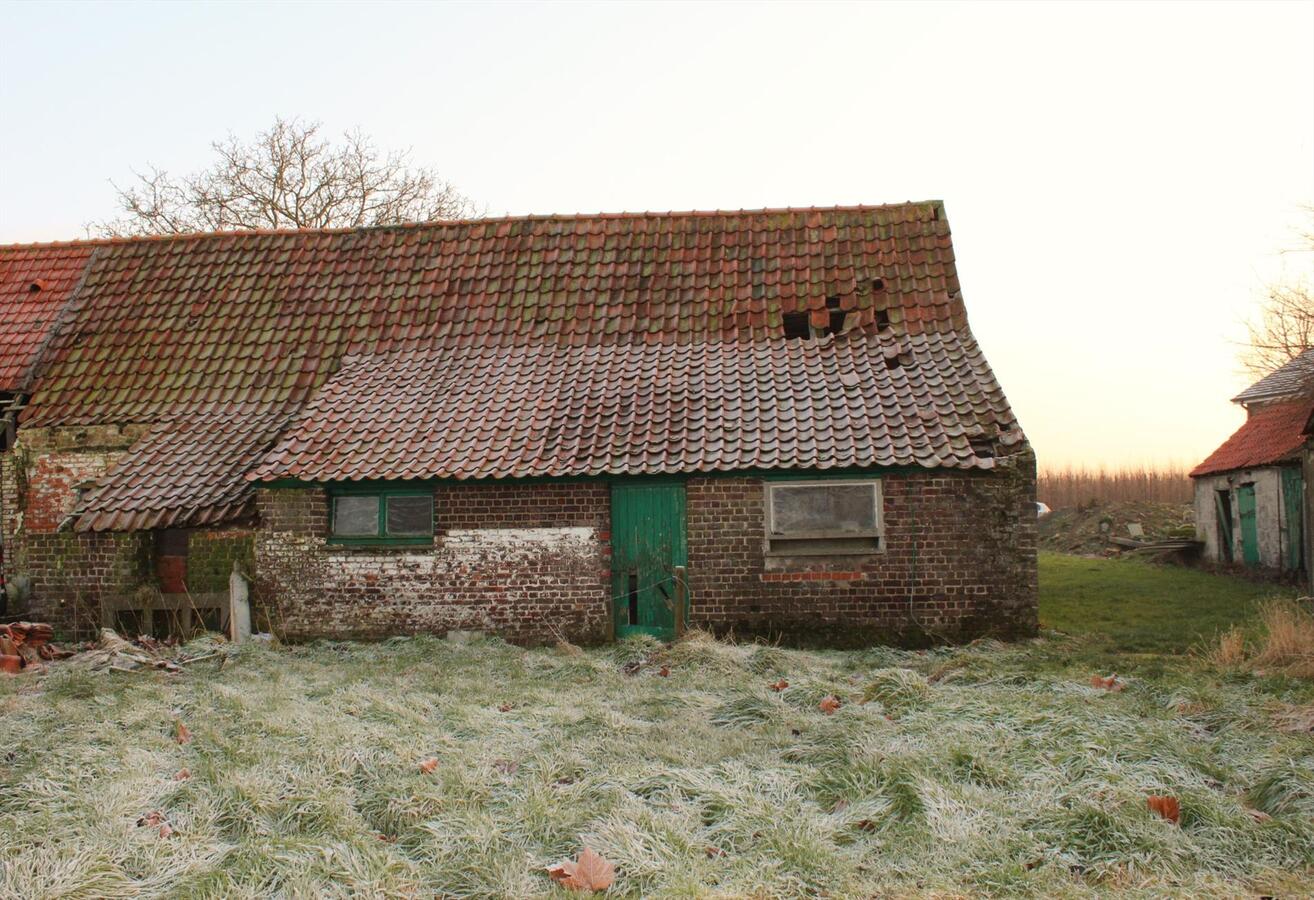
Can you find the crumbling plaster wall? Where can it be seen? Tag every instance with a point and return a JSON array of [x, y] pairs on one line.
[[529, 562], [1270, 515]]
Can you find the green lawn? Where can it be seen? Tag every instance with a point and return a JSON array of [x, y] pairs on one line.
[[1142, 607]]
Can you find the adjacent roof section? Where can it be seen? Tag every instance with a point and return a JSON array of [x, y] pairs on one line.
[[35, 285], [855, 400], [1272, 434], [164, 326], [1296, 377], [184, 473]]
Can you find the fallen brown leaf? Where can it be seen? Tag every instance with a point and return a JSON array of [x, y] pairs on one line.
[[829, 704], [1168, 807], [1258, 815], [166, 830], [505, 707], [664, 671], [1111, 683], [154, 819], [182, 775], [588, 873], [780, 685], [429, 765], [181, 733]]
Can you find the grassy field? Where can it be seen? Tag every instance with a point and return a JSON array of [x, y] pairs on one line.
[[985, 770], [1134, 606]]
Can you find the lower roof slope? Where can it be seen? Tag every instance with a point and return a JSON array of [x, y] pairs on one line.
[[853, 400], [1272, 434]]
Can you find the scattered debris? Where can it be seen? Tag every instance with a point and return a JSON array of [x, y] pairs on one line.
[[429, 765], [1168, 807], [181, 733], [829, 704], [664, 671], [779, 685], [182, 775], [111, 652], [590, 872], [505, 707], [1096, 528]]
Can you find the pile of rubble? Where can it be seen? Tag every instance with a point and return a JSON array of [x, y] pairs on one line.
[[26, 645]]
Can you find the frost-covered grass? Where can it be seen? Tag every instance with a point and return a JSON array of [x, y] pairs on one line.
[[979, 770]]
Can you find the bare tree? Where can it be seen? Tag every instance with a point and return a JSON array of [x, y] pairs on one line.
[[287, 177], [1284, 327]]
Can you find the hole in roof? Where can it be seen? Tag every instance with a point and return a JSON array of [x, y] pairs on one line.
[[983, 448], [833, 302], [34, 286], [796, 325], [893, 362], [882, 319], [878, 284], [836, 321]]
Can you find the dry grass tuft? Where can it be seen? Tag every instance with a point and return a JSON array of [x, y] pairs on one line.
[[1283, 643], [1288, 638], [1074, 487]]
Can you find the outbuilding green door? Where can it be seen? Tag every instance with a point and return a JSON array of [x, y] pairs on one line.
[[647, 543], [1293, 504], [1245, 508]]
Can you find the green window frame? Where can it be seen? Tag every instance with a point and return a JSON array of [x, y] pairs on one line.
[[381, 535]]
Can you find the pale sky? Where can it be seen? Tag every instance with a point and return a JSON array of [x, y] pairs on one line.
[[1121, 179]]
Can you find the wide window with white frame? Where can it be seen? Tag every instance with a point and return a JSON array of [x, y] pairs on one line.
[[824, 517]]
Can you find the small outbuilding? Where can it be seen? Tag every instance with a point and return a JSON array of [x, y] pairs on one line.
[[1250, 492]]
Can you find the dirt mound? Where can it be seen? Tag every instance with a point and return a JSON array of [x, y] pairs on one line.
[[1086, 529]]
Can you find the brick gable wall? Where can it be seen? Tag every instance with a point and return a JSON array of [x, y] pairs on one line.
[[959, 562]]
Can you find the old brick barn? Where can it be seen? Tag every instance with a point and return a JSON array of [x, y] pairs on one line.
[[771, 422]]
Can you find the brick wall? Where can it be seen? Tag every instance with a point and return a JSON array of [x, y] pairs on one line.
[[524, 561], [67, 574], [959, 562]]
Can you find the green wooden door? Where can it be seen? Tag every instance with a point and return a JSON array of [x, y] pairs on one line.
[[1293, 503], [647, 543], [1245, 507]]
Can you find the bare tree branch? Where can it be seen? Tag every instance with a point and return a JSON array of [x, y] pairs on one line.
[[287, 177], [1284, 327]]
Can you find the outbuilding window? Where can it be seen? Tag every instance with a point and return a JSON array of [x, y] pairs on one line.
[[386, 516], [815, 518]]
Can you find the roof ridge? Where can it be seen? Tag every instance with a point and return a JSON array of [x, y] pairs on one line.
[[434, 223]]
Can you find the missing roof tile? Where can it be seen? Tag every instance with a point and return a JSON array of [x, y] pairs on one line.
[[882, 319], [796, 325]]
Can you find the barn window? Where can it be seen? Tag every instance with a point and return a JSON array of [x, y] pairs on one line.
[[384, 516], [810, 518]]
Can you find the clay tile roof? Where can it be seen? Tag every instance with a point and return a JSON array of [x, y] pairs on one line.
[[638, 342], [1293, 378], [1272, 434], [184, 472], [650, 409], [35, 285]]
